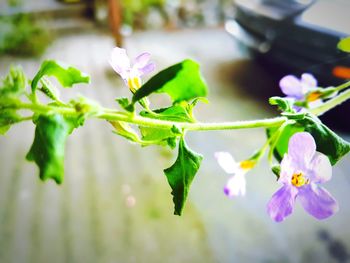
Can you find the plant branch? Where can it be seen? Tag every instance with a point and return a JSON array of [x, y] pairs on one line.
[[330, 104]]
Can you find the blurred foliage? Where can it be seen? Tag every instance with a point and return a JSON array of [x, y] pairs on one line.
[[135, 11], [21, 35]]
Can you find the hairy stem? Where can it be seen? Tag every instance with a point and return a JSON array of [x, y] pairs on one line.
[[111, 115]]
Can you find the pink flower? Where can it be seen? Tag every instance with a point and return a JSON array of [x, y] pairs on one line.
[[302, 170], [131, 74], [298, 88]]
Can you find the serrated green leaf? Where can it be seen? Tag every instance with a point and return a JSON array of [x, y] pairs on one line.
[[344, 44], [180, 175], [48, 148], [66, 75], [327, 141], [282, 142], [7, 118], [181, 81], [173, 113], [13, 84]]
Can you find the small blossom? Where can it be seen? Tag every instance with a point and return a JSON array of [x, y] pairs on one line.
[[131, 75], [298, 88], [302, 170], [236, 185]]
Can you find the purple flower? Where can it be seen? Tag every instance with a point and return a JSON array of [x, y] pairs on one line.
[[302, 170], [131, 75], [297, 88], [236, 185]]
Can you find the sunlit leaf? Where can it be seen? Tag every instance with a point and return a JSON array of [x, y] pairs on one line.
[[173, 113], [158, 136], [123, 129], [66, 75], [281, 147], [48, 148], [284, 104], [181, 81], [327, 141], [180, 175]]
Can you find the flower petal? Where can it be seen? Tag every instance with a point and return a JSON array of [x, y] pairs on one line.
[[282, 203], [147, 69], [287, 170], [291, 86], [317, 201], [301, 149], [308, 81], [120, 61], [142, 59], [226, 162], [236, 185], [320, 168]]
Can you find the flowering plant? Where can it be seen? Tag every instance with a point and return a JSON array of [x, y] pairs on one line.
[[301, 149]]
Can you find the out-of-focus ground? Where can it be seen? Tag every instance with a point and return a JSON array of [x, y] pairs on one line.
[[115, 204]]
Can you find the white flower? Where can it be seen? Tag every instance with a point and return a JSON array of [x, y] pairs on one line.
[[236, 185]]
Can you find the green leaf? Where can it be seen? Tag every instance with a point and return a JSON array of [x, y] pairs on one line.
[[85, 107], [282, 142], [284, 104], [123, 129], [48, 148], [7, 118], [49, 89], [158, 136], [327, 141], [173, 113], [276, 169], [180, 175], [66, 75], [13, 84], [181, 81], [344, 44], [123, 102]]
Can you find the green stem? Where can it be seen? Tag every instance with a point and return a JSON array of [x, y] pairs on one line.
[[199, 126], [274, 139], [112, 115], [343, 86], [131, 118], [330, 104]]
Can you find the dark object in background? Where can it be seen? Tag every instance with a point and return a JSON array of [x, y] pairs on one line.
[[297, 36], [336, 248]]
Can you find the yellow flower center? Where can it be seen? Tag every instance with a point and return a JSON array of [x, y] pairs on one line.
[[247, 164], [313, 96], [298, 179], [134, 83]]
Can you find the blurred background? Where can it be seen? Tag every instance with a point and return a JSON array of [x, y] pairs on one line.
[[115, 204]]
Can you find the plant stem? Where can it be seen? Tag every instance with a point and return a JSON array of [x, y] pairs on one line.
[[330, 104], [148, 122], [343, 86], [110, 115]]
